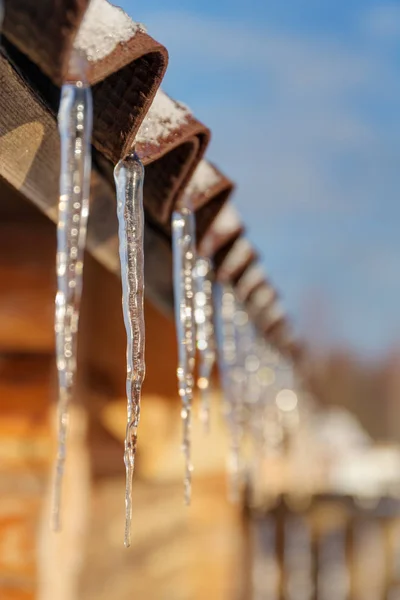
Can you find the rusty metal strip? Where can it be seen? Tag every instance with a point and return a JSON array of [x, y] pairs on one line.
[[208, 191], [124, 82], [29, 159]]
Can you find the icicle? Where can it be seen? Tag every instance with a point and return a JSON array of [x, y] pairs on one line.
[[247, 384], [129, 175], [247, 368], [184, 244], [262, 394], [205, 341], [232, 384], [75, 127]]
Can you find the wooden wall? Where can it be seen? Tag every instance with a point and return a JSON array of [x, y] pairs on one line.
[[37, 565]]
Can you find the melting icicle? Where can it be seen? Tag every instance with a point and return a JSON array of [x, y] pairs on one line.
[[263, 423], [184, 244], [232, 384], [75, 127], [204, 317], [129, 175], [245, 385]]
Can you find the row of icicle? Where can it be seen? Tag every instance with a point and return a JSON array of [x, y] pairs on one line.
[[75, 127], [244, 358]]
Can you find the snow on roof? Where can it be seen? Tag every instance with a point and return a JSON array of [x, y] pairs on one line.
[[240, 252], [262, 297], [165, 115], [227, 220], [252, 277], [104, 26], [204, 178]]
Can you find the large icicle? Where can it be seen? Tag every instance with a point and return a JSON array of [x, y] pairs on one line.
[[75, 126], [129, 175], [205, 340], [184, 251]]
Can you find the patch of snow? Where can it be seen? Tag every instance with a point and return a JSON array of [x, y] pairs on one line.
[[204, 178], [104, 26], [165, 116], [240, 252], [252, 277], [262, 297], [226, 221]]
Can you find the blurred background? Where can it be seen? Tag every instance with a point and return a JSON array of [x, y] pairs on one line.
[[302, 99]]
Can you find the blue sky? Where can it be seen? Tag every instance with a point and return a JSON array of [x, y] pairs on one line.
[[303, 98]]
